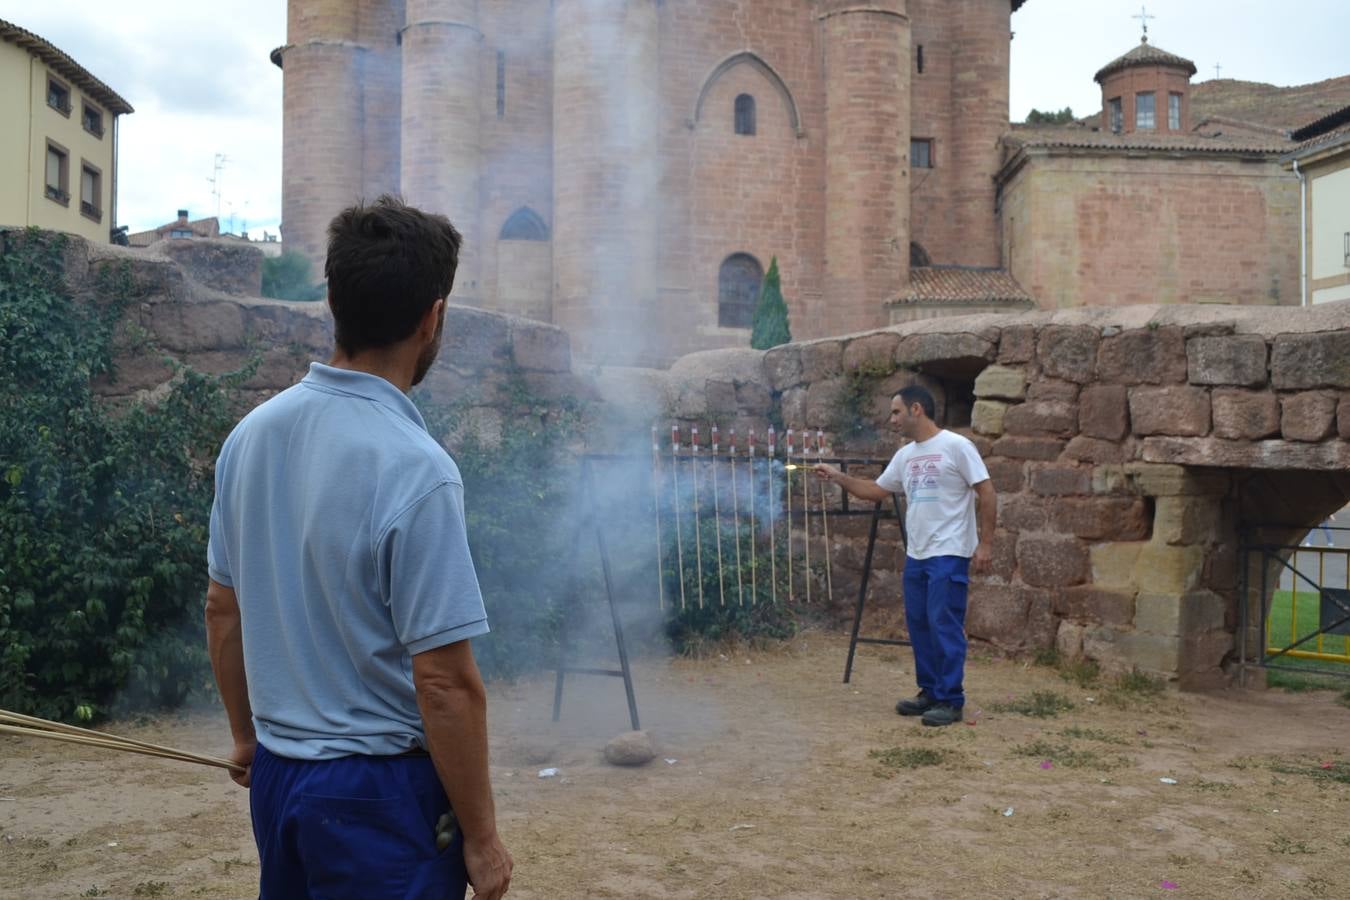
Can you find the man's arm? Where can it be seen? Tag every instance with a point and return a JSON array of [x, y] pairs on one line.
[[864, 488], [986, 520], [453, 704], [225, 644]]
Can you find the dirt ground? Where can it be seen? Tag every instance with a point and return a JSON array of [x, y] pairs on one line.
[[774, 779]]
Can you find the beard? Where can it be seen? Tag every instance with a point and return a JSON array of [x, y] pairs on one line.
[[429, 354]]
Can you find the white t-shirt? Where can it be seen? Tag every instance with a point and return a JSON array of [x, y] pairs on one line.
[[937, 476]]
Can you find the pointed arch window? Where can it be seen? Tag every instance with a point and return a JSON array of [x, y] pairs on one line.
[[524, 225], [738, 284], [745, 114]]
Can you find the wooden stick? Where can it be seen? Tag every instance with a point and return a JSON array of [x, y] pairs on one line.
[[119, 744], [34, 722]]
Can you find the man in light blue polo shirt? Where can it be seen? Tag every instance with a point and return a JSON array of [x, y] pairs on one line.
[[342, 596]]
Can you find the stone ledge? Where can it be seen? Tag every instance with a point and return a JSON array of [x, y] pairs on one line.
[[1210, 451]]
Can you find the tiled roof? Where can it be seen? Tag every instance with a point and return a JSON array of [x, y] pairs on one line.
[[64, 66], [1144, 55], [1078, 136], [1322, 142], [962, 284]]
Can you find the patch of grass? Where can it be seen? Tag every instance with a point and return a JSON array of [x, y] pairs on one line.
[[1047, 656], [95, 891], [1069, 757], [1082, 672], [1337, 771], [1140, 683], [1092, 734], [1217, 787], [1040, 705], [1283, 844], [150, 889], [1344, 698], [893, 759], [1301, 682]]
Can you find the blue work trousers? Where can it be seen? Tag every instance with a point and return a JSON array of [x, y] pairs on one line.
[[935, 612], [352, 828]]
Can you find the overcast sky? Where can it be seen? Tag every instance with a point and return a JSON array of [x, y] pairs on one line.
[[201, 83]]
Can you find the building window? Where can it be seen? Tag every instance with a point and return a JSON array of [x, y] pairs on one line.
[[921, 153], [180, 233], [745, 114], [738, 284], [1174, 112], [501, 83], [524, 225], [919, 59], [58, 96], [58, 174], [1117, 115], [93, 120], [1144, 116], [91, 191]]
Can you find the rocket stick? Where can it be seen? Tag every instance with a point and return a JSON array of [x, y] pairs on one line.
[[787, 489], [717, 522], [773, 535], [675, 489], [698, 512], [825, 519], [754, 535], [656, 511], [736, 519], [806, 511]]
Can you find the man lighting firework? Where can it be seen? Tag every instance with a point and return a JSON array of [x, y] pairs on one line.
[[342, 597], [942, 477]]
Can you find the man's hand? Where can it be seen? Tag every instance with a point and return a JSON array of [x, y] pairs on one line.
[[983, 560], [827, 473], [489, 866], [243, 754]]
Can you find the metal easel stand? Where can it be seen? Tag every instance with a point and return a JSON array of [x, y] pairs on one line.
[[854, 640], [592, 520]]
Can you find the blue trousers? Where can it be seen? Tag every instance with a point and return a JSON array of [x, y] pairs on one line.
[[358, 827], [935, 612]]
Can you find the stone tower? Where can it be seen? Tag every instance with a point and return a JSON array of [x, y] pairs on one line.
[[867, 132], [1147, 89], [606, 174]]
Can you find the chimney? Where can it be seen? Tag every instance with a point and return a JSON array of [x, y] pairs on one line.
[[182, 217]]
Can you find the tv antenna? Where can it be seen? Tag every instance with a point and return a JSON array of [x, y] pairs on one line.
[[218, 164]]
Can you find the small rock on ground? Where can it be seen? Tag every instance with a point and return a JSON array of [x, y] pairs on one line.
[[632, 748]]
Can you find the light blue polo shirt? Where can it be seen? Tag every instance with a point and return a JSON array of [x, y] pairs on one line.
[[339, 522]]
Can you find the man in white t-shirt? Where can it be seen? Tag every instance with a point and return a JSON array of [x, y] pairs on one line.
[[944, 482]]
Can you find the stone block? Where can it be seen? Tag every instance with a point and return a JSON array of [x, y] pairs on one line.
[[1113, 564], [1187, 519], [1307, 416], [1095, 605], [1103, 518], [1237, 360], [821, 359], [1168, 569], [783, 366], [1245, 415], [987, 417], [1005, 554], [1143, 356], [871, 353], [1022, 512], [1201, 653], [997, 612], [1343, 417], [1303, 361], [1042, 418], [1158, 613], [198, 326], [540, 347], [1068, 352], [1163, 480], [1103, 412], [1095, 450], [1052, 560], [823, 399], [226, 266], [793, 405], [473, 339], [1181, 410], [1007, 474], [1052, 389], [1157, 654], [1060, 481], [1001, 383], [936, 351], [1042, 624], [1017, 344], [1217, 453], [1069, 640], [1028, 447], [1104, 644], [721, 397]]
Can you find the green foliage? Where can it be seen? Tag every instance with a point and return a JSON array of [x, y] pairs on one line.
[[853, 419], [1063, 117], [769, 327], [892, 759], [1040, 705], [287, 277], [105, 513]]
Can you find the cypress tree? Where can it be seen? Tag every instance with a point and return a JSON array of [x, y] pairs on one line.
[[770, 323]]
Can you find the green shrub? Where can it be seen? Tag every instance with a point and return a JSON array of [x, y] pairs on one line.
[[105, 513], [769, 325], [287, 277]]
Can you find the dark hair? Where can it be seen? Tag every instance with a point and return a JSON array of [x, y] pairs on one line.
[[914, 393], [387, 264]]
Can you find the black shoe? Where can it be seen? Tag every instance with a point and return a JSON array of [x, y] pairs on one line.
[[917, 705], [942, 714]]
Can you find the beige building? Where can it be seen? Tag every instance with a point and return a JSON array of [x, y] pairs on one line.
[[1323, 166], [58, 139]]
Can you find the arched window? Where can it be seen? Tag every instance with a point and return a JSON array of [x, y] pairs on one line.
[[524, 225], [745, 114], [738, 290]]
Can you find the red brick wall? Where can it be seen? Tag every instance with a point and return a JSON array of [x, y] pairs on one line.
[[1106, 230], [1161, 80]]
